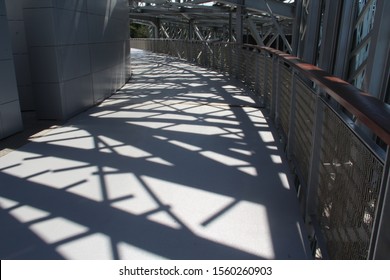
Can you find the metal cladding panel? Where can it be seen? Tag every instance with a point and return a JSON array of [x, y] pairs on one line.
[[5, 47], [8, 88], [48, 101], [103, 30], [113, 9], [77, 95], [20, 53], [22, 69], [102, 84], [14, 9], [2, 8], [70, 27], [70, 41], [26, 98], [74, 5], [98, 7], [44, 67], [38, 3], [10, 119], [119, 9], [39, 25], [73, 61], [18, 36], [105, 55]]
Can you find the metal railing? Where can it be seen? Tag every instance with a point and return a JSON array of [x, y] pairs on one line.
[[341, 174]]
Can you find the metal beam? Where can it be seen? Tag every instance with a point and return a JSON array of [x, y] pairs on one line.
[[278, 8], [255, 32], [165, 32], [198, 33], [296, 27], [239, 25], [278, 27], [312, 32], [377, 72], [344, 39], [329, 35], [144, 18]]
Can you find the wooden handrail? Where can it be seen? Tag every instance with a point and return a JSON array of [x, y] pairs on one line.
[[369, 110]]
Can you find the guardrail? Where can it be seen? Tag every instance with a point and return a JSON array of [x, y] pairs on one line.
[[328, 126]]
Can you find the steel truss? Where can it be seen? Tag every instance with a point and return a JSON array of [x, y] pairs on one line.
[[265, 22]]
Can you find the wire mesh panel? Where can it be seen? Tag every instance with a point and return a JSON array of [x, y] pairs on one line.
[[285, 76], [261, 75], [344, 192], [235, 61], [198, 52], [268, 69], [181, 49], [350, 178], [228, 54], [248, 68], [303, 123], [208, 60], [217, 57]]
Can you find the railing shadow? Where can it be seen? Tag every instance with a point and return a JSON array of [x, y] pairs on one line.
[[179, 164]]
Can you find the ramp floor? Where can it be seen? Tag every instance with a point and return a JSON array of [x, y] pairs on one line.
[[181, 163]]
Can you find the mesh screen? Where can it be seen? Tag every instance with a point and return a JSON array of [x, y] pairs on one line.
[[227, 52], [261, 75], [304, 119], [249, 68], [350, 178], [268, 83], [285, 97]]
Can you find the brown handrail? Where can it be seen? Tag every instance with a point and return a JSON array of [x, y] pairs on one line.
[[369, 110]]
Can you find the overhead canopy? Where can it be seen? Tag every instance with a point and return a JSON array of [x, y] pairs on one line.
[[261, 18]]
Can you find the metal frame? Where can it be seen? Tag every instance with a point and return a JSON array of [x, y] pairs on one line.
[[331, 51], [368, 110], [263, 18]]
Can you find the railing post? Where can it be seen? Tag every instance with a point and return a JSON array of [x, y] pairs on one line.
[[380, 237]]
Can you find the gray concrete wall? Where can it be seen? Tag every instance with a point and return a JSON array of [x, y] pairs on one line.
[[10, 116], [20, 53], [78, 53]]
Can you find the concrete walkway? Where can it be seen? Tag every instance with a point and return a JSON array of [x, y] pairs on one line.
[[179, 164]]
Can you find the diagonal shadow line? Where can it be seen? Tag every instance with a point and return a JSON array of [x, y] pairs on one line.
[[140, 166], [220, 213], [116, 224], [17, 242]]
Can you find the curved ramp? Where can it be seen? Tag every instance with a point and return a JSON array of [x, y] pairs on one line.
[[181, 163]]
